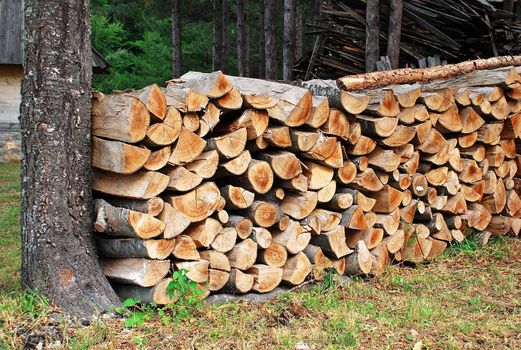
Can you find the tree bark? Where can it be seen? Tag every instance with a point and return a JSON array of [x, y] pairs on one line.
[[176, 39], [58, 252], [242, 42], [224, 53], [217, 57], [262, 41], [270, 48], [298, 32], [288, 53], [371, 34], [395, 29]]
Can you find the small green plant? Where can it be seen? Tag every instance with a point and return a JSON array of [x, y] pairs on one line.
[[188, 299], [329, 281]]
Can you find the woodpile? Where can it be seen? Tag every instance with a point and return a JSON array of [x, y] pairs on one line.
[[433, 33], [248, 184]]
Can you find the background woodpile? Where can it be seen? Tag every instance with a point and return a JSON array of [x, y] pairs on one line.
[[433, 32], [248, 184]]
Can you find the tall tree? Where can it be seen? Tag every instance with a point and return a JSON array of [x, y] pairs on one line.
[[217, 57], [298, 33], [176, 39], [395, 30], [224, 54], [58, 252], [372, 30], [262, 41], [270, 49], [288, 47], [242, 42]]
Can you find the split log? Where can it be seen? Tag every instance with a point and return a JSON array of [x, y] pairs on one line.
[[296, 269], [400, 137], [121, 117], [242, 225], [236, 166], [377, 126], [135, 248], [197, 204], [117, 157], [326, 194], [317, 257], [237, 197], [224, 241], [243, 254], [265, 278], [181, 179], [203, 233], [216, 260], [284, 164], [123, 222], [346, 174], [188, 147], [332, 243], [380, 258], [278, 136], [363, 146], [371, 237], [141, 272], [255, 121], [186, 100], [157, 294], [140, 185], [262, 237], [175, 221], [185, 248], [385, 160], [161, 134], [263, 214], [318, 176], [239, 282], [217, 279], [230, 101], [387, 199], [229, 145], [205, 165], [336, 124], [294, 238], [197, 271], [495, 203], [213, 85], [328, 219], [354, 218], [389, 222], [299, 206], [153, 206], [395, 242], [319, 113], [367, 181], [158, 159], [359, 262]]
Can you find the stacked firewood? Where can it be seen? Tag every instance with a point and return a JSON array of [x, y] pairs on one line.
[[247, 184], [454, 30]]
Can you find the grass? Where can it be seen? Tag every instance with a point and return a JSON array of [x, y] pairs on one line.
[[468, 299]]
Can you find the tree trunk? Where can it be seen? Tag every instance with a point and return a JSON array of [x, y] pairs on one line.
[[270, 48], [298, 32], [371, 34], [176, 39], [288, 53], [262, 41], [224, 53], [58, 252], [217, 57], [242, 43], [395, 29]]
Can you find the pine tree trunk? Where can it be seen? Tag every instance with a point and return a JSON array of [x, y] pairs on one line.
[[298, 32], [270, 48], [217, 57], [371, 34], [242, 43], [176, 39], [58, 252], [262, 41], [288, 53], [224, 53], [395, 29]]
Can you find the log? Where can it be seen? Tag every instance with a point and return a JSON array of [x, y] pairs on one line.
[[239, 282], [470, 120], [255, 121], [242, 225], [135, 248], [213, 85], [197, 271], [367, 181], [265, 278], [354, 218], [296, 269], [205, 164], [363, 146], [158, 159], [319, 113], [299, 206], [175, 221], [385, 160], [284, 164], [237, 197], [317, 258], [371, 237], [140, 185], [203, 233], [185, 248], [318, 176], [230, 101], [294, 238], [117, 157], [161, 134], [377, 126], [217, 279], [387, 200], [380, 258], [120, 117], [326, 194], [197, 204], [346, 174], [336, 124], [141, 272], [225, 240], [153, 206], [389, 222], [188, 147], [235, 166], [332, 243], [186, 100], [123, 222], [263, 214], [243, 254], [216, 260], [275, 255], [278, 136], [328, 219], [401, 136], [229, 145], [359, 262], [181, 179], [395, 242], [157, 294]]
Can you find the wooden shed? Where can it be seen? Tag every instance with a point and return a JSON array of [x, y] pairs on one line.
[[11, 75]]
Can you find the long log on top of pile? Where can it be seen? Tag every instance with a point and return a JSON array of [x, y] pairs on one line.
[[247, 184]]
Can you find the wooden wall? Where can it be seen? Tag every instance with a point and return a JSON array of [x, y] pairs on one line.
[[10, 82]]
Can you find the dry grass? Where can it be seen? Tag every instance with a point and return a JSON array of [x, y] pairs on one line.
[[469, 299]]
